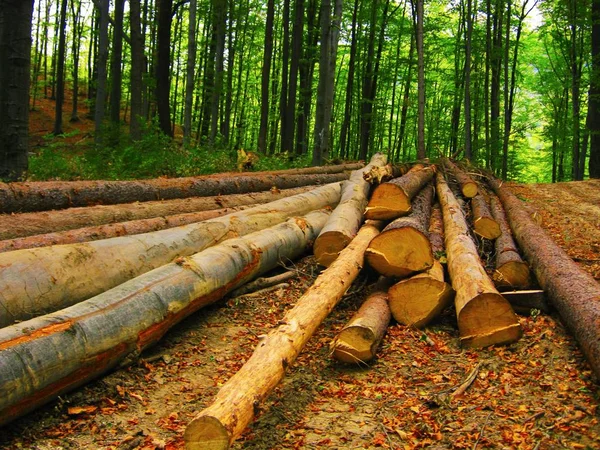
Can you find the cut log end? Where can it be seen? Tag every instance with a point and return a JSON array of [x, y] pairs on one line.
[[328, 246], [487, 228], [400, 252], [488, 319], [513, 274], [354, 345], [206, 433], [469, 190], [388, 201]]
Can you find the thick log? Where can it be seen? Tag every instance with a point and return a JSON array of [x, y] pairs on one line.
[[237, 401], [28, 224], [525, 301], [47, 356], [113, 230], [359, 340], [483, 223], [468, 187], [393, 198], [45, 195], [484, 316], [511, 271], [41, 280], [403, 247], [348, 215], [571, 290]]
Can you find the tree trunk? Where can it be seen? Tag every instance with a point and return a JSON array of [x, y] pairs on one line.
[[100, 102], [467, 186], [403, 247], [137, 69], [116, 72], [265, 79], [75, 43], [594, 102], [88, 339], [60, 70], [421, 82], [347, 217], [27, 224], [189, 80], [235, 405], [345, 131], [392, 199], [468, 39], [220, 21], [572, 291], [15, 60], [358, 341], [483, 223], [163, 65], [484, 316], [41, 280]]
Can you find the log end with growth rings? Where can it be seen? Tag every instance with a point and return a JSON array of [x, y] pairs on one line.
[[328, 246], [354, 345], [487, 228], [513, 274], [206, 433], [388, 201], [469, 189]]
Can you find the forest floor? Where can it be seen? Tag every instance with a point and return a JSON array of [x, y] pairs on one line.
[[538, 393]]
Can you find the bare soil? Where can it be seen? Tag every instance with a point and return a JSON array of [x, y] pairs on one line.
[[536, 394]]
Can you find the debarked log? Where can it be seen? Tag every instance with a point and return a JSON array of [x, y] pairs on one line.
[[484, 224], [45, 357], [484, 316], [237, 402], [41, 280]]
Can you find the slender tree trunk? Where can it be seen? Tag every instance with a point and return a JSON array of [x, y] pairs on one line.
[[594, 100], [60, 69], [36, 63], [220, 18], [285, 63], [102, 60], [344, 134], [575, 84], [506, 91], [421, 76], [116, 74], [76, 41], [366, 107], [163, 65], [265, 79], [137, 67], [290, 122], [406, 100], [468, 39], [496, 66]]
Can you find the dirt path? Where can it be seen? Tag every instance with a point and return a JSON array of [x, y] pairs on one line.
[[535, 394]]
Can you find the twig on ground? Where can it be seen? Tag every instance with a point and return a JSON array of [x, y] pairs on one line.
[[264, 282], [482, 428], [468, 381], [263, 291]]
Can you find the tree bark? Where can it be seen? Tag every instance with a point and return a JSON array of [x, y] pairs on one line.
[[103, 6], [41, 280], [392, 199], [484, 316], [137, 70], [234, 407], [483, 223], [84, 341], [190, 75], [359, 340], [266, 78], [116, 72], [60, 70], [571, 290], [344, 222], [594, 102], [421, 82], [403, 247], [163, 65]]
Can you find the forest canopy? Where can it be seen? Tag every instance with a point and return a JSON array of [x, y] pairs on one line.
[[511, 85]]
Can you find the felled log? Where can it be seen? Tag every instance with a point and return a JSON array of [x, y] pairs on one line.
[[483, 223], [41, 280], [359, 340], [45, 357], [113, 230], [45, 195], [484, 316], [348, 215], [393, 198], [403, 247], [526, 300], [510, 271], [571, 290], [28, 224], [237, 402], [468, 187], [379, 174]]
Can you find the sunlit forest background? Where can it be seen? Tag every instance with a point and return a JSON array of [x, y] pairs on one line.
[[176, 87]]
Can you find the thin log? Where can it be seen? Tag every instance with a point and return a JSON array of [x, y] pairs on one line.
[[484, 316], [113, 230], [41, 280], [359, 340], [571, 290], [263, 282], [468, 187], [344, 222], [45, 195], [380, 174], [524, 301], [28, 224], [393, 198], [237, 402], [483, 223], [403, 247], [45, 357], [511, 271]]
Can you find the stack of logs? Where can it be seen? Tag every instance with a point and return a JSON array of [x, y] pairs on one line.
[[86, 288]]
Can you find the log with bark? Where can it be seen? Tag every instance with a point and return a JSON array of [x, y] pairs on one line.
[[510, 269], [572, 291], [237, 402], [348, 215], [484, 224], [403, 247], [393, 198], [523, 302], [40, 280], [484, 316], [45, 357], [419, 299], [28, 224], [468, 187], [380, 174], [358, 341], [45, 195]]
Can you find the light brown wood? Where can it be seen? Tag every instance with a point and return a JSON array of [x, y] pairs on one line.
[[380, 174], [236, 403], [468, 187], [358, 341], [393, 198], [348, 215], [483, 223], [484, 317]]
